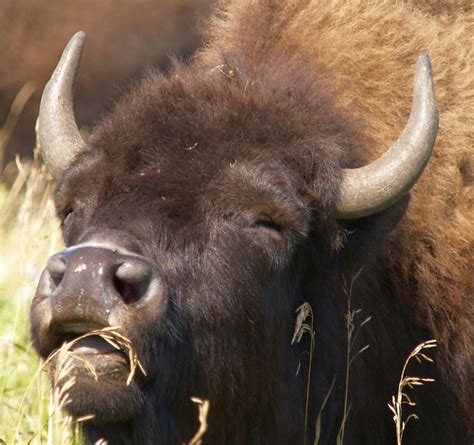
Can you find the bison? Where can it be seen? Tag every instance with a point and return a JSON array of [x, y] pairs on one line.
[[273, 170]]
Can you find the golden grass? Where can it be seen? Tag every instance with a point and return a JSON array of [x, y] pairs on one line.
[[14, 114], [402, 397], [203, 407], [112, 336], [353, 328], [304, 312]]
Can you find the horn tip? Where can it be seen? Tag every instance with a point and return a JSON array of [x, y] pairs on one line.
[[423, 83], [79, 35], [423, 63], [77, 40]]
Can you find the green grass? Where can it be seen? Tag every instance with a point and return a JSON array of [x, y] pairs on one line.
[[28, 235]]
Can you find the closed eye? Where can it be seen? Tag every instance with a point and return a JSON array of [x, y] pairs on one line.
[[66, 215], [268, 224]]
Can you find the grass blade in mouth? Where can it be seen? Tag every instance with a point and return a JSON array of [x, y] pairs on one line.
[[113, 337]]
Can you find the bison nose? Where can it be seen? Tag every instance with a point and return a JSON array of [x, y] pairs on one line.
[[84, 288], [125, 275], [95, 284]]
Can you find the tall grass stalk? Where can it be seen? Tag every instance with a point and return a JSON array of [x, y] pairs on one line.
[[203, 406], [14, 114], [305, 312], [353, 329], [405, 382], [317, 433]]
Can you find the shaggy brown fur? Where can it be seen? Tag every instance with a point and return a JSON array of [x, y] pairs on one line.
[[225, 175], [367, 50]]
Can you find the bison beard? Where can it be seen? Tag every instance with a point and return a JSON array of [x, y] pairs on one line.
[[204, 210]]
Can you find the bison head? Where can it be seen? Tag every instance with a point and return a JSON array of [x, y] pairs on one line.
[[197, 217]]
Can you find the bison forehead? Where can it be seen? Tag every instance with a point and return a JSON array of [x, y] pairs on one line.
[[193, 152], [200, 120], [246, 190]]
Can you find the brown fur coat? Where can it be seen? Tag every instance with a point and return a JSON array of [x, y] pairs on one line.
[[367, 50]]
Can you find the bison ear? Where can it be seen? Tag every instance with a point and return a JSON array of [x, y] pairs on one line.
[[365, 237]]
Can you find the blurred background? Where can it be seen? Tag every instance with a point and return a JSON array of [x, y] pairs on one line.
[[123, 39]]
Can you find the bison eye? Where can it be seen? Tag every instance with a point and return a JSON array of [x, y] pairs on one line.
[[268, 224], [66, 215]]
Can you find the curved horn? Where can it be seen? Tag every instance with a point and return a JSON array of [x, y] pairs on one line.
[[376, 186], [58, 136]]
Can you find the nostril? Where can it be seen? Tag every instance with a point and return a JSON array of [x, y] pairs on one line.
[[57, 268], [131, 280], [128, 291], [133, 271]]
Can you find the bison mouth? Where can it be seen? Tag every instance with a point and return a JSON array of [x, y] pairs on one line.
[[100, 355], [94, 372], [93, 356]]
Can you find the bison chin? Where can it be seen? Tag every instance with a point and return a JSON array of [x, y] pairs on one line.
[[94, 376]]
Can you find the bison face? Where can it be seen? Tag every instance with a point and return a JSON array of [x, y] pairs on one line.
[[198, 216], [196, 279]]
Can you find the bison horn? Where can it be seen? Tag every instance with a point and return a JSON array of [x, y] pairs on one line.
[[376, 186], [58, 136]]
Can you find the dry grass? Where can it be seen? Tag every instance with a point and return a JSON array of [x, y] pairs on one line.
[[112, 336], [14, 114], [65, 380], [304, 324], [353, 329], [28, 235], [203, 406], [407, 382], [304, 312]]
